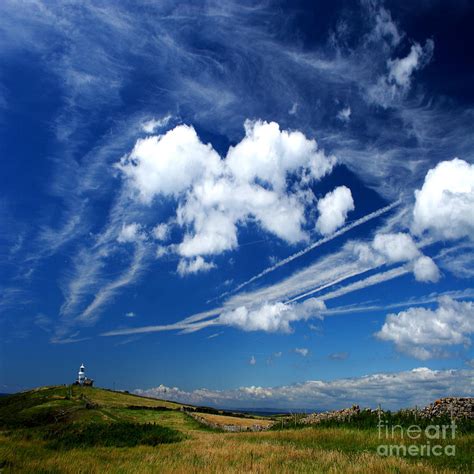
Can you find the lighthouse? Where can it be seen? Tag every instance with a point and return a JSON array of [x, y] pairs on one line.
[[82, 379], [81, 376]]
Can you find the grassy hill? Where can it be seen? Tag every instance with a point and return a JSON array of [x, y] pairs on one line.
[[85, 429], [73, 403]]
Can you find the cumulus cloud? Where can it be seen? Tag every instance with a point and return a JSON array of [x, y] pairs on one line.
[[426, 270], [419, 386], [169, 164], [444, 205], [271, 317], [131, 233], [302, 351], [215, 195], [195, 265], [423, 333], [269, 154], [397, 247], [333, 209]]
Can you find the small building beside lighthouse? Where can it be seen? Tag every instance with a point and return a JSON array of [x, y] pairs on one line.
[[82, 379]]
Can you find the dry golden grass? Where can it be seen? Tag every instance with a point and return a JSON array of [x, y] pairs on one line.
[[234, 420], [206, 452]]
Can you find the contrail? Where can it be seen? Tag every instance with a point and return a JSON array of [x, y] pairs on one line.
[[328, 285], [318, 243]]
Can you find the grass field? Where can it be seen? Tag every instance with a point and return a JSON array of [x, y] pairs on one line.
[[93, 431]]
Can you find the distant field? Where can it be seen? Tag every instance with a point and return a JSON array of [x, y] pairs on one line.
[[236, 421], [94, 431]]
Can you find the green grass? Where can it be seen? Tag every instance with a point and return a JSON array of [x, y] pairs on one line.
[[351, 440]]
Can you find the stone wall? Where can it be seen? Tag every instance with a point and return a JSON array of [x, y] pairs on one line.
[[340, 415], [456, 407]]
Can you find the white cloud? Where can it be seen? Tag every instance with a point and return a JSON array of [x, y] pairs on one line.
[[344, 114], [333, 209], [445, 204], [269, 154], [397, 247], [252, 360], [161, 231], [130, 314], [397, 82], [385, 27], [215, 195], [302, 351], [394, 248], [195, 265], [161, 251], [401, 70], [169, 164], [131, 233], [419, 386], [151, 125], [422, 332], [426, 270], [271, 317]]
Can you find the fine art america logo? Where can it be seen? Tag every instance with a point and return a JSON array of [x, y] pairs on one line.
[[402, 441]]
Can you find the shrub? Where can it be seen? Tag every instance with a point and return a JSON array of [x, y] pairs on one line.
[[121, 434]]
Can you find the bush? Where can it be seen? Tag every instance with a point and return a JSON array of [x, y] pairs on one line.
[[121, 434]]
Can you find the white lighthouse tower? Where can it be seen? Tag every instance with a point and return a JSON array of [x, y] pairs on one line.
[[81, 376]]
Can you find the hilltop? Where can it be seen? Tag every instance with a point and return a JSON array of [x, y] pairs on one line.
[[38, 406]]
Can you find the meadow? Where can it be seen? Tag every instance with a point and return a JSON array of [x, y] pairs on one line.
[[90, 430]]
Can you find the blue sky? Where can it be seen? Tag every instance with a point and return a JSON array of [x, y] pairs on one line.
[[244, 204]]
